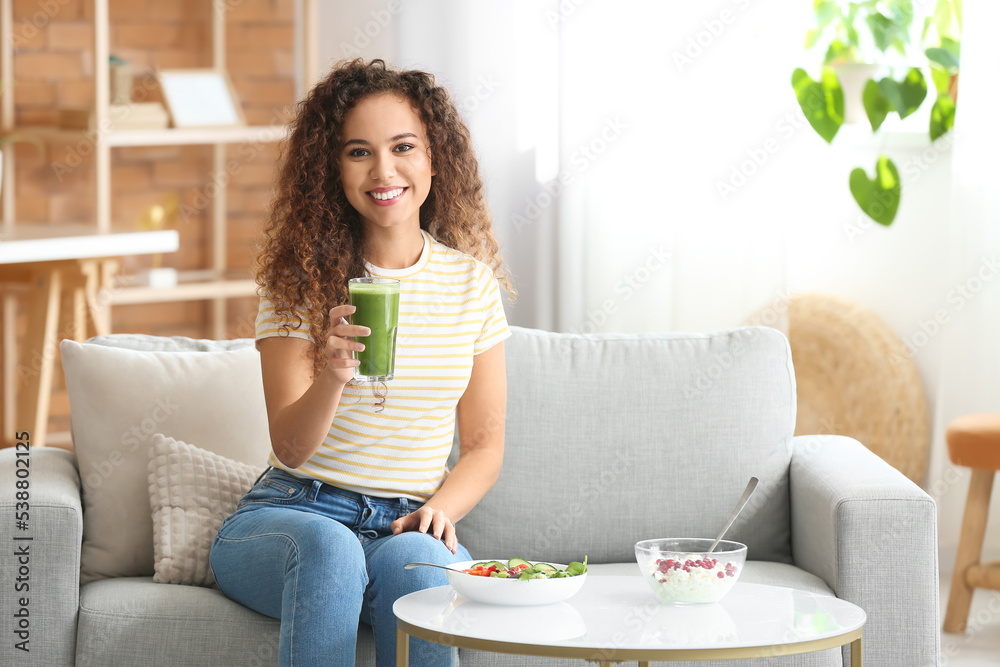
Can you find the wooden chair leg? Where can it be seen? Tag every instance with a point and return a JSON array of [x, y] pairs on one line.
[[38, 363], [970, 549]]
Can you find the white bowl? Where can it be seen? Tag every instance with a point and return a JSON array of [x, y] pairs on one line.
[[494, 590]]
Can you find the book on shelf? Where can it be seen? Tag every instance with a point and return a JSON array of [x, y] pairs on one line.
[[132, 116]]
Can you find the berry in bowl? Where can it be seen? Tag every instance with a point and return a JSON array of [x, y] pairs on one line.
[[681, 571]]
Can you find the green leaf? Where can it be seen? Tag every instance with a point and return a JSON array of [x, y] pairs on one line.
[[906, 95], [852, 35], [883, 30], [952, 46], [902, 8], [822, 101], [941, 79], [943, 17], [877, 105], [837, 51], [942, 57], [877, 197], [900, 46], [942, 116], [824, 10], [812, 36]]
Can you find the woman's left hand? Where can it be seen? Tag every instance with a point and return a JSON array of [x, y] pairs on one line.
[[427, 519]]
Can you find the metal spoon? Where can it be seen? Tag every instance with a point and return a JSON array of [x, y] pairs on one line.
[[410, 566], [747, 492]]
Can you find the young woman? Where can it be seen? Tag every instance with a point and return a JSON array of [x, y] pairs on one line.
[[379, 179]]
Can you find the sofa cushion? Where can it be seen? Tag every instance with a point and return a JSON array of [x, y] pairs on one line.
[[191, 492], [119, 398], [134, 621], [611, 439]]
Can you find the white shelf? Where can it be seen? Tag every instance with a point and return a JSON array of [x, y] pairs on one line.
[[194, 136], [170, 136], [185, 290]]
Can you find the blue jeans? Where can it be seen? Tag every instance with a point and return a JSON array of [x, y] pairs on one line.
[[322, 559]]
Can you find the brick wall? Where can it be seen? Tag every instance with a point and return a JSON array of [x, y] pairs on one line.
[[53, 67]]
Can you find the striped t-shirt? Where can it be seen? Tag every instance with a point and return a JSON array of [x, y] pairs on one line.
[[449, 310]]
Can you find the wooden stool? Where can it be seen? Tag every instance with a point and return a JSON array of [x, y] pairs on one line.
[[973, 442]]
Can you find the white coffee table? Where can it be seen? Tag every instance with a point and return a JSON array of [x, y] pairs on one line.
[[616, 618]]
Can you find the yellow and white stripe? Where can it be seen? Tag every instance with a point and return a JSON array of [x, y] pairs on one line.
[[449, 311]]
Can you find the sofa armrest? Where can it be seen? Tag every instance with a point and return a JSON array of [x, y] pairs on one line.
[[871, 534], [40, 594]]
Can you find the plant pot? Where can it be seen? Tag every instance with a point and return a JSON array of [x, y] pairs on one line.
[[853, 77]]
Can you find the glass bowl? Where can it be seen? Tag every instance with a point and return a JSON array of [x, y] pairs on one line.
[[681, 571]]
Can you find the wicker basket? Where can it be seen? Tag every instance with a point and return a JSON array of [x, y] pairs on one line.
[[855, 377]]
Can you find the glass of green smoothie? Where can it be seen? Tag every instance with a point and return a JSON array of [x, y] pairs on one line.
[[377, 303]]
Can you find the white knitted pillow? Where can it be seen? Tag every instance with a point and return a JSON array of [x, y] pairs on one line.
[[191, 492]]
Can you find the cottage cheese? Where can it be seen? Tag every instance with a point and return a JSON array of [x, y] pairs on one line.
[[690, 578]]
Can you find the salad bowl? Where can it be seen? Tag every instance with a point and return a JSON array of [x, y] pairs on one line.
[[513, 591]]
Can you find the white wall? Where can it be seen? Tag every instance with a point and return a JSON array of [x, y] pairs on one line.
[[789, 226], [365, 29]]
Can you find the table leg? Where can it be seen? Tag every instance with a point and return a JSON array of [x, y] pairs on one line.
[[73, 318], [402, 648], [94, 281], [856, 658], [101, 310], [39, 357]]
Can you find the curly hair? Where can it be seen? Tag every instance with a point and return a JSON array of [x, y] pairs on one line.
[[314, 240]]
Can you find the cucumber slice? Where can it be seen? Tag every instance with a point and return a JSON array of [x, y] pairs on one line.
[[514, 562], [544, 567], [494, 562], [484, 564]]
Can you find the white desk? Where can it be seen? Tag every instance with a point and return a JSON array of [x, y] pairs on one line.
[[617, 618], [65, 271]]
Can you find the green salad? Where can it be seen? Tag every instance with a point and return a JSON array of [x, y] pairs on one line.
[[518, 568]]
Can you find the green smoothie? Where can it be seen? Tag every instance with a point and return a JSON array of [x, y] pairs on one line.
[[377, 303]]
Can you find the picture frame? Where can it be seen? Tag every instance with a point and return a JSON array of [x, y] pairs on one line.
[[200, 98]]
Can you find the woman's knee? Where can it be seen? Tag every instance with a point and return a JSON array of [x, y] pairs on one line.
[[413, 547], [325, 544], [417, 546], [287, 539]]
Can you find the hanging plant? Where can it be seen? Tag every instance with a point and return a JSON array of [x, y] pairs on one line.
[[858, 29]]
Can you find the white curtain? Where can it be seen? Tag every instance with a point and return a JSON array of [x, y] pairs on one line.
[[971, 362], [633, 151], [671, 125]]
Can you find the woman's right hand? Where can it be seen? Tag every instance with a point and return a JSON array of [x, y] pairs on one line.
[[340, 344]]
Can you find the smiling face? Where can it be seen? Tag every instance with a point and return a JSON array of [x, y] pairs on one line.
[[385, 164]]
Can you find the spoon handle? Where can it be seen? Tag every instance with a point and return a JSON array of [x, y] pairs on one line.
[[747, 492], [410, 566]]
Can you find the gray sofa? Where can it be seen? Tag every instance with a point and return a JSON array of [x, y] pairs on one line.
[[620, 437]]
